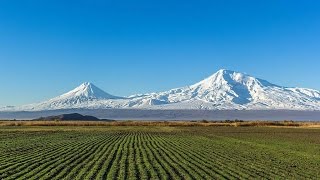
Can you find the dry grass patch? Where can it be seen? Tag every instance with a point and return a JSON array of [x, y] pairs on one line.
[[164, 123]]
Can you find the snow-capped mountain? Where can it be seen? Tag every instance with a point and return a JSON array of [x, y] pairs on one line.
[[81, 96], [223, 90], [233, 90], [86, 91]]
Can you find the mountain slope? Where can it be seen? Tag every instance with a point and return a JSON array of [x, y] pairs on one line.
[[223, 90], [80, 97], [233, 90], [86, 91]]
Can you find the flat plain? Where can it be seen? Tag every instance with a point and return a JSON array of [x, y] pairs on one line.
[[159, 152]]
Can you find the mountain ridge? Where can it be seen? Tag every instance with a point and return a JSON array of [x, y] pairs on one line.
[[224, 89]]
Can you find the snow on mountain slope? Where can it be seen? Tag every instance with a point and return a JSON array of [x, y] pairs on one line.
[[233, 90], [84, 92], [82, 96], [223, 90]]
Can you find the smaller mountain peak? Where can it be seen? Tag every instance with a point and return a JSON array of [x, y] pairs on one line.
[[86, 84], [89, 91]]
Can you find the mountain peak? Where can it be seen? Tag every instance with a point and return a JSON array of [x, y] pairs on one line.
[[223, 76], [86, 84], [87, 90], [230, 86], [225, 71]]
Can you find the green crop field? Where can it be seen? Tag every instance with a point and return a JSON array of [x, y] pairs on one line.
[[159, 153]]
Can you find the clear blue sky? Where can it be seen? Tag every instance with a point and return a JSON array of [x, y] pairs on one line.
[[127, 47]]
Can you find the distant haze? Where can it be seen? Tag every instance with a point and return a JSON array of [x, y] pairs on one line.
[[134, 114]]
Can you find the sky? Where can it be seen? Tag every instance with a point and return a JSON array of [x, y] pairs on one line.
[[127, 47]]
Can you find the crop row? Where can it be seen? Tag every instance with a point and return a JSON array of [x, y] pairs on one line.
[[142, 155]]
